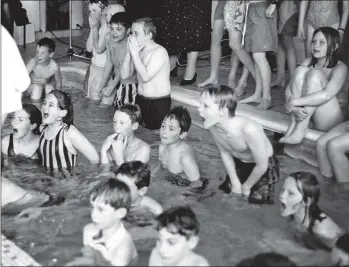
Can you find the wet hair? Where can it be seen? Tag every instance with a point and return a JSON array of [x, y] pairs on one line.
[[266, 259], [332, 39], [121, 18], [102, 3], [179, 220], [114, 193], [34, 116], [181, 114], [309, 187], [223, 96], [65, 103], [133, 111], [138, 171], [342, 243], [47, 42], [148, 26]]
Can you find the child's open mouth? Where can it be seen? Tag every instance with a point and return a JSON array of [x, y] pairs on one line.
[[45, 115], [282, 206]]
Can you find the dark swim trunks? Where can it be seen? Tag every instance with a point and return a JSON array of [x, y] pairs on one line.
[[263, 191]]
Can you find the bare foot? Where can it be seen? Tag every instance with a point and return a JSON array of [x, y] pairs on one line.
[[278, 82], [251, 99], [240, 90], [265, 104], [298, 133], [210, 80]]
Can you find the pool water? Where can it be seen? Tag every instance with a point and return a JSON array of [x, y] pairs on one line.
[[230, 231]]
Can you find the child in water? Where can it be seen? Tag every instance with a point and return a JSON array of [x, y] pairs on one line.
[[178, 230], [136, 175], [44, 72], [25, 137], [340, 251], [299, 197], [60, 140], [123, 145]]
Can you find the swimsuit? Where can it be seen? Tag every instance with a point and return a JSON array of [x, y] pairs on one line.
[[288, 18], [11, 151], [125, 94], [323, 13], [234, 15]]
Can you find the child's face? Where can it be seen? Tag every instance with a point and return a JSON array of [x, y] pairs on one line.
[[118, 32], [138, 32], [173, 247], [21, 124], [102, 214], [42, 54], [170, 131], [209, 110], [122, 123], [95, 10], [50, 110], [339, 257], [319, 45], [135, 193], [290, 197]]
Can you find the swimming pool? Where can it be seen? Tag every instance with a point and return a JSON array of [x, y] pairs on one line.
[[230, 228]]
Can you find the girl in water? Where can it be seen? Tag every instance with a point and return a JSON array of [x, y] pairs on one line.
[[312, 91], [25, 137], [60, 140], [299, 197]]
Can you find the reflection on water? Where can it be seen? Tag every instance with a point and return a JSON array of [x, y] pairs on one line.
[[230, 228]]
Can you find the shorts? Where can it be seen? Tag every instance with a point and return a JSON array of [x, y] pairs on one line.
[[153, 110], [290, 27], [125, 94], [218, 13], [263, 191]]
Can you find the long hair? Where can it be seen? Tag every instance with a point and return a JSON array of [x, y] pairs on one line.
[[64, 103], [34, 116]]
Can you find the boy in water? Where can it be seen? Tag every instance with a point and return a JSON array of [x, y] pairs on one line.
[[174, 154], [106, 234], [246, 152], [178, 230], [118, 91], [340, 251], [136, 175], [151, 62], [44, 72]]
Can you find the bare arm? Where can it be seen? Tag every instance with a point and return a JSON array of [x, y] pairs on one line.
[[345, 15], [331, 89], [228, 162], [89, 42], [152, 205], [127, 67], [31, 65], [303, 8], [58, 78], [190, 166], [99, 41], [108, 66]]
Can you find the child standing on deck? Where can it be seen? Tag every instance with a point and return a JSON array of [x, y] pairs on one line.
[[123, 145], [44, 72], [117, 91]]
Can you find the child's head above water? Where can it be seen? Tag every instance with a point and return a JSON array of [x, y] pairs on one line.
[[144, 30], [58, 106], [340, 251], [178, 230], [120, 24], [25, 120], [110, 202], [267, 259], [324, 44], [127, 119], [96, 7], [45, 48], [136, 175]]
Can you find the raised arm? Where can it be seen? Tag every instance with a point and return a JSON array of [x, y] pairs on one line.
[[99, 40], [127, 67], [344, 17], [89, 42], [58, 78]]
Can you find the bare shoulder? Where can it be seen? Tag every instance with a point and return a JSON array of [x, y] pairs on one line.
[[31, 61], [143, 145], [186, 151], [199, 260], [342, 67], [251, 127], [89, 231], [306, 62], [161, 51], [327, 227], [54, 64], [152, 204]]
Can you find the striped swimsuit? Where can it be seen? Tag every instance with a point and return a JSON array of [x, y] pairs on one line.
[[54, 154]]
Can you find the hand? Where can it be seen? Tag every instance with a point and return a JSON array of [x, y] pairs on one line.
[[289, 106], [288, 95], [301, 113], [300, 33], [119, 143], [245, 190], [133, 45], [92, 20], [269, 12], [107, 143], [106, 91]]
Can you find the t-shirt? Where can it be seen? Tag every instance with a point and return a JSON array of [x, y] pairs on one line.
[[14, 75]]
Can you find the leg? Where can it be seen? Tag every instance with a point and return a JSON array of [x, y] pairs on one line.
[[173, 62], [256, 97], [280, 62], [217, 34], [322, 149], [290, 53], [36, 91], [290, 128], [337, 149], [309, 32], [240, 88], [233, 69], [191, 65]]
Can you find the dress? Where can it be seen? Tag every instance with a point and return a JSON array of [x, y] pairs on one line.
[[288, 18], [186, 26]]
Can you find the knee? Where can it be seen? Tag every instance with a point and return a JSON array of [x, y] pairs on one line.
[[333, 147], [259, 56], [234, 45], [315, 75], [321, 144]]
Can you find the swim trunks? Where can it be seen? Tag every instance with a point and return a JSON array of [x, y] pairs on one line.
[[125, 94]]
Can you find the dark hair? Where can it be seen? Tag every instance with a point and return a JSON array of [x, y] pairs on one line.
[[224, 96], [64, 103], [267, 259], [114, 192], [121, 18], [342, 243], [309, 186], [181, 114], [138, 171], [179, 220], [133, 111], [149, 26], [332, 38], [34, 116], [47, 42], [103, 3]]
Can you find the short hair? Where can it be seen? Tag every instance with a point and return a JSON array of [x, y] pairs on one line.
[[121, 18], [34, 116], [47, 42], [133, 111], [224, 96], [114, 193], [342, 243], [269, 259], [149, 26], [181, 114], [103, 3], [179, 220], [138, 171]]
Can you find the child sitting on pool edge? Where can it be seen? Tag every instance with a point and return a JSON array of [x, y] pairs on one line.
[[136, 175], [123, 145], [178, 230]]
